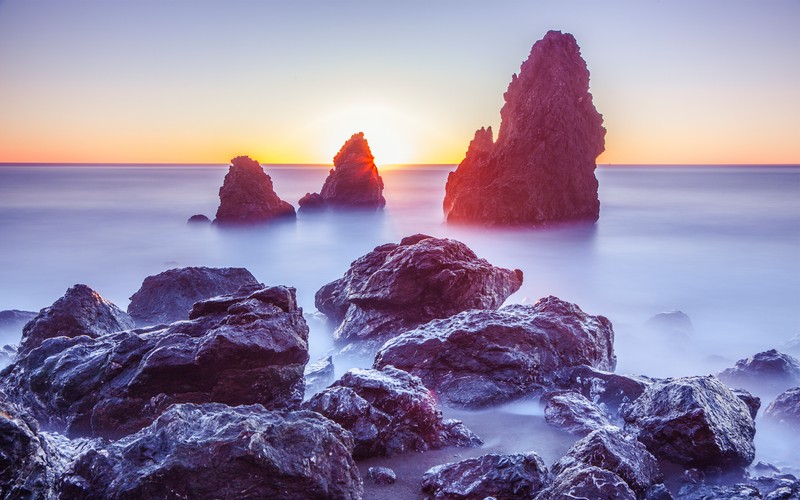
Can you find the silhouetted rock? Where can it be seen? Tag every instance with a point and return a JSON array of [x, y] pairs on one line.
[[607, 390], [353, 182], [236, 349], [611, 449], [572, 412], [397, 287], [693, 421], [318, 375], [81, 311], [541, 169], [388, 411], [381, 475], [753, 402], [785, 410], [217, 451], [587, 482], [768, 373], [478, 358], [12, 320], [169, 296], [520, 475], [671, 323], [247, 195], [198, 219]]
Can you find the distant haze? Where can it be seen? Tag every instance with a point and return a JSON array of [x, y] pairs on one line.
[[288, 82]]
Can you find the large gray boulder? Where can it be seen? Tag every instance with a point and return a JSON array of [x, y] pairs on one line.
[[479, 357]]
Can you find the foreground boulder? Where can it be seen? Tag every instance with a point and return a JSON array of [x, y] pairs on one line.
[[353, 181], [785, 410], [236, 349], [541, 169], [388, 411], [247, 195], [693, 421], [169, 296], [81, 311], [217, 451], [397, 287], [572, 412], [478, 358], [768, 373], [520, 475], [587, 482]]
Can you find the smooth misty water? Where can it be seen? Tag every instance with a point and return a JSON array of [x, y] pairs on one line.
[[721, 244]]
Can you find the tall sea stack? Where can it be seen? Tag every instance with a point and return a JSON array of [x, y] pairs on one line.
[[247, 195], [541, 168]]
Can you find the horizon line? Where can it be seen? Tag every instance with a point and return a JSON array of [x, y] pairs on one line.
[[224, 164]]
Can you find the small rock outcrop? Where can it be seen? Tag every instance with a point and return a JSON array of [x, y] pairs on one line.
[[693, 421], [353, 182], [388, 411], [607, 390], [541, 169], [169, 296], [198, 219], [217, 451], [785, 410], [587, 482], [398, 287], [671, 324], [572, 412], [521, 475], [235, 349], [381, 475], [767, 373], [247, 196], [479, 358], [81, 311]]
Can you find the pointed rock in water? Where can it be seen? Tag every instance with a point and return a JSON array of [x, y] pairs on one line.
[[479, 358], [81, 311], [247, 195], [353, 182], [541, 169], [767, 373], [397, 287], [218, 451], [169, 296]]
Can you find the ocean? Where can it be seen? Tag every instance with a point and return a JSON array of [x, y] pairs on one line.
[[721, 244]]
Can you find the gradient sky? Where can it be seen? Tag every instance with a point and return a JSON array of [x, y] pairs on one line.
[[289, 81]]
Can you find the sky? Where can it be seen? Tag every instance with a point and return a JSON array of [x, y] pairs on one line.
[[197, 81]]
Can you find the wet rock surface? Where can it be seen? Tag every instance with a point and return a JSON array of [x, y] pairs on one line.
[[398, 287], [784, 411], [767, 373], [247, 196], [693, 421], [587, 482], [572, 412], [607, 390], [169, 296], [541, 168], [80, 312], [217, 451], [388, 411], [479, 358], [236, 349]]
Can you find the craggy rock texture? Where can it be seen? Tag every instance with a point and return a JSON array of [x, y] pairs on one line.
[[388, 411], [236, 349], [479, 358], [217, 451], [398, 287], [607, 390], [169, 296], [671, 324], [768, 373], [12, 320], [381, 475], [541, 169], [572, 412], [785, 410], [318, 375], [520, 475], [81, 311], [247, 195], [353, 182], [611, 449], [693, 421], [587, 482]]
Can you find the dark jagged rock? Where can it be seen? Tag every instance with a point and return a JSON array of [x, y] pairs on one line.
[[587, 482], [397, 287], [520, 475], [541, 169], [12, 320], [169, 296], [479, 358], [353, 182], [381, 475], [247, 195], [199, 219], [572, 412], [675, 324], [693, 421], [611, 449], [236, 349], [388, 411], [785, 410], [318, 375], [768, 373], [81, 311], [217, 451], [607, 390], [753, 402]]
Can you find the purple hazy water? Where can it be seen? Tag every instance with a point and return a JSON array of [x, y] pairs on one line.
[[721, 244]]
